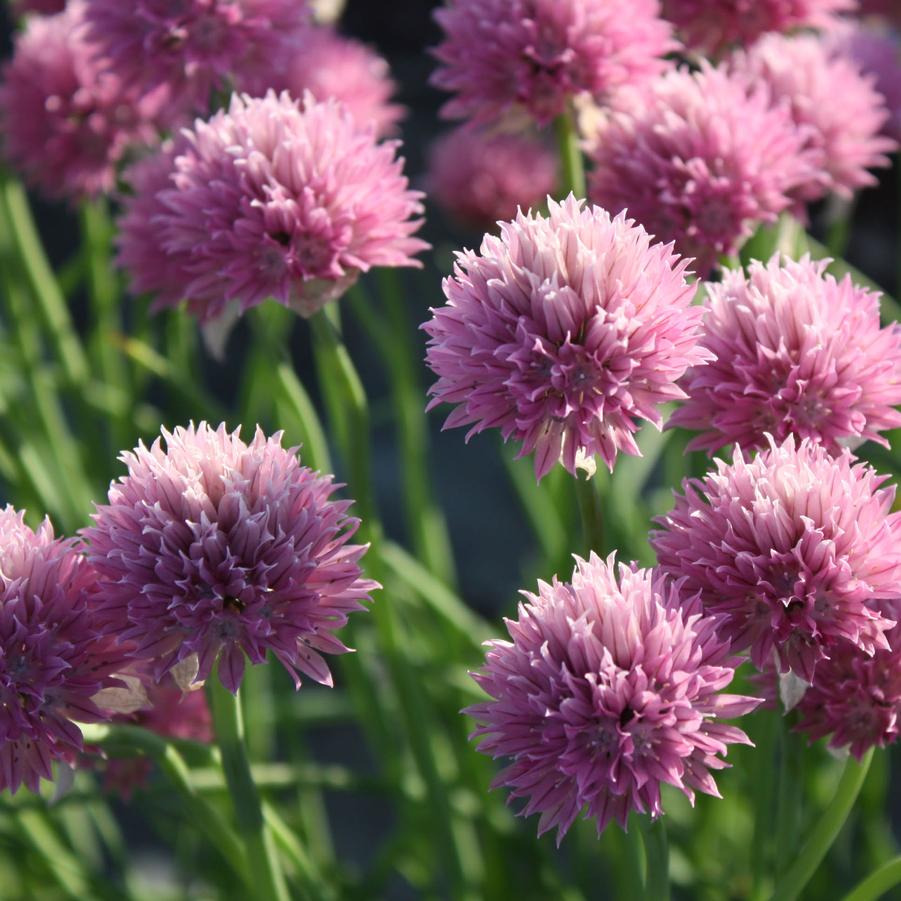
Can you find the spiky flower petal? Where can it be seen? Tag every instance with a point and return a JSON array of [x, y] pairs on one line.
[[224, 549], [563, 332], [790, 549], [796, 352], [610, 686]]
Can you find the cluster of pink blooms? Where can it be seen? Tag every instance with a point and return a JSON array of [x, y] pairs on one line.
[[272, 197], [211, 550], [503, 57], [67, 121], [563, 332], [481, 178], [714, 26], [610, 687]]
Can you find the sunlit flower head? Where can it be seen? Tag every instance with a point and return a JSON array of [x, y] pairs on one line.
[[66, 122], [503, 56], [796, 352], [610, 687], [838, 107], [564, 332], [715, 25], [53, 661], [700, 159], [193, 46], [270, 198], [480, 178], [216, 549], [790, 549]]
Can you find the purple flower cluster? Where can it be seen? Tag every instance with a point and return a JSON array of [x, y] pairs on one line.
[[269, 198], [610, 687], [563, 332]]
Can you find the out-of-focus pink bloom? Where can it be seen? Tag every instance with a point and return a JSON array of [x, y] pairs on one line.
[[221, 549], [790, 549], [877, 52], [795, 352], [700, 159], [887, 8], [329, 65], [41, 7], [192, 46], [839, 108], [499, 56], [481, 178], [609, 688], [66, 122], [855, 698], [715, 25], [53, 661], [271, 198], [564, 332]]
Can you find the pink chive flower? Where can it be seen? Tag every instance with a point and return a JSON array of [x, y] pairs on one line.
[[53, 661], [221, 549], [329, 65], [480, 178], [170, 713], [790, 549], [271, 198], [795, 352], [501, 56], [700, 159], [855, 698], [609, 688], [563, 332], [840, 109], [877, 53], [193, 46], [67, 123], [713, 26]]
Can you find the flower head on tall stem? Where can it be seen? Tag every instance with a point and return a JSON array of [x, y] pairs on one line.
[[838, 107], [791, 549], [610, 687], [192, 46], [54, 663], [700, 159], [226, 550], [535, 56], [795, 352], [563, 332], [269, 198], [713, 26], [67, 122]]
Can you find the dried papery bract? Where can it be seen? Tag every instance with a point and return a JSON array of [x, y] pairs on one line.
[[796, 353], [609, 688], [54, 662], [564, 332], [226, 550], [790, 549], [535, 56]]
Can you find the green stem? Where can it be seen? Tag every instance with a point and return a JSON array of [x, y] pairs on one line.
[[878, 883], [267, 882], [592, 516], [570, 155], [824, 833], [789, 794], [42, 282], [656, 853]]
